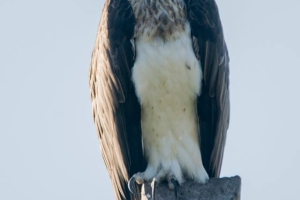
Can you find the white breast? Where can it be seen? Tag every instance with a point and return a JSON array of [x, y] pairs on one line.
[[167, 78]]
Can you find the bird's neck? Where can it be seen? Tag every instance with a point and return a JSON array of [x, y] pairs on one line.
[[159, 19]]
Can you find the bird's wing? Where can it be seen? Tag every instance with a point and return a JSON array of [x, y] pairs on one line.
[[213, 103], [116, 111]]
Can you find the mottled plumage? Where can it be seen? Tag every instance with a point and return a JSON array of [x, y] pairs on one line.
[[162, 19], [125, 29]]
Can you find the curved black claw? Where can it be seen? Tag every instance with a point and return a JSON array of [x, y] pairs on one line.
[[131, 185], [153, 185], [174, 181]]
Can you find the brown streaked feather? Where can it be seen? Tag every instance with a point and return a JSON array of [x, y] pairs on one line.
[[213, 103], [116, 109]]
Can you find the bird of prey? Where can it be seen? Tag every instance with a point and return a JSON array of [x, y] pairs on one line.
[[159, 82]]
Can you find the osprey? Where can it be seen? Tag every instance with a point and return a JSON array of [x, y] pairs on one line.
[[160, 92]]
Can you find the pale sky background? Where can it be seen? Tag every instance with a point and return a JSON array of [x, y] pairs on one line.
[[48, 143]]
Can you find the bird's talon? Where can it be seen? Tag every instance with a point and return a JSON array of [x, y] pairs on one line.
[[174, 181], [131, 185], [153, 186]]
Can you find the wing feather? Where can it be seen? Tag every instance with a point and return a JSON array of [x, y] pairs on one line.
[[213, 103], [116, 110]]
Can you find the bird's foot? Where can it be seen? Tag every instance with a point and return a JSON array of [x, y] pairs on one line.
[[140, 178], [173, 183], [136, 178]]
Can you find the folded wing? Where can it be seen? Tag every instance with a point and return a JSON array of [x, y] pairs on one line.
[[117, 113], [213, 103]]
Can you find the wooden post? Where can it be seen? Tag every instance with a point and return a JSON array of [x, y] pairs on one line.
[[214, 189]]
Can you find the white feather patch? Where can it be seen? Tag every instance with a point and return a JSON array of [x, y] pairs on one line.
[[167, 78]]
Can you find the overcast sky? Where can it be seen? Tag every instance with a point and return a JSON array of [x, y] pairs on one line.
[[48, 143]]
